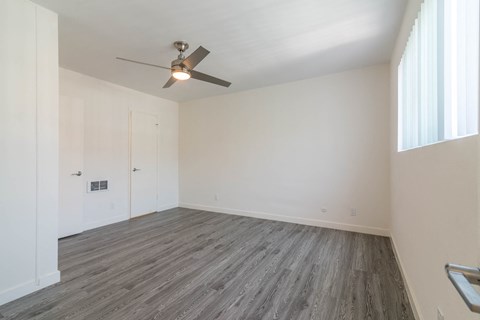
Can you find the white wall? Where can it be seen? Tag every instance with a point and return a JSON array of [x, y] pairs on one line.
[[106, 144], [434, 208], [29, 147], [287, 151]]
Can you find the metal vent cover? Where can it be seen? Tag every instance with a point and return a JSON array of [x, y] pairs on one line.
[[97, 185]]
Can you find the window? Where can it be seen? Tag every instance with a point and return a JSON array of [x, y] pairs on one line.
[[438, 75]]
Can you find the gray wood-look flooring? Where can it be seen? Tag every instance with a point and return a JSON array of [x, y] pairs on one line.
[[188, 264]]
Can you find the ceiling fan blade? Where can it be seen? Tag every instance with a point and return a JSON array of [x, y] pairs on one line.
[[169, 83], [205, 77], [195, 58], [144, 63]]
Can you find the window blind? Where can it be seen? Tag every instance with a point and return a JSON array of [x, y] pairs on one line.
[[438, 75]]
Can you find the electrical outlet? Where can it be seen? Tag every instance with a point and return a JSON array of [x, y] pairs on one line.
[[324, 210], [440, 315], [353, 212]]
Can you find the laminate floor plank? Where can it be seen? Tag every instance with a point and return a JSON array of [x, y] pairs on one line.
[[185, 264]]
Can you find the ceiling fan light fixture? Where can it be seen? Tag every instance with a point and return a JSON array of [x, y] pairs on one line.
[[183, 67], [181, 74]]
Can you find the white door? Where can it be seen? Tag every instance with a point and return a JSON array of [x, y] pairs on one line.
[[71, 180], [143, 163]]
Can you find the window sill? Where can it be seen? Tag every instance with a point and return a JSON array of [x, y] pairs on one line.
[[438, 142]]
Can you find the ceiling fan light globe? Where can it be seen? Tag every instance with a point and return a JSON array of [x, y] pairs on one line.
[[181, 75]]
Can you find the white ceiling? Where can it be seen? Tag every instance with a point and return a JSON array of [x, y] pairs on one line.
[[253, 43]]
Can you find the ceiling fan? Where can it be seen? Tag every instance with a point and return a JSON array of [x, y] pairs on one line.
[[182, 68]]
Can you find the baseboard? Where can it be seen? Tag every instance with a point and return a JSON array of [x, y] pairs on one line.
[[29, 287], [104, 222], [411, 295], [304, 221], [167, 207], [120, 218]]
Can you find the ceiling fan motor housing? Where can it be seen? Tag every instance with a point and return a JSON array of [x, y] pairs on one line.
[[178, 63], [179, 68]]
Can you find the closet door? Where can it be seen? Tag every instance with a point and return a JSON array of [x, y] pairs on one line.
[[143, 157], [18, 160], [72, 183]]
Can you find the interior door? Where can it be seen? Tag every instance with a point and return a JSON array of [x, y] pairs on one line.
[[143, 163], [71, 180]]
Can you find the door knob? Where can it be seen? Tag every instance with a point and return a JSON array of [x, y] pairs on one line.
[[463, 278], [136, 169], [78, 174]]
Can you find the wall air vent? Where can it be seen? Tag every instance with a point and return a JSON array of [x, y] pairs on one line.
[[98, 185]]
